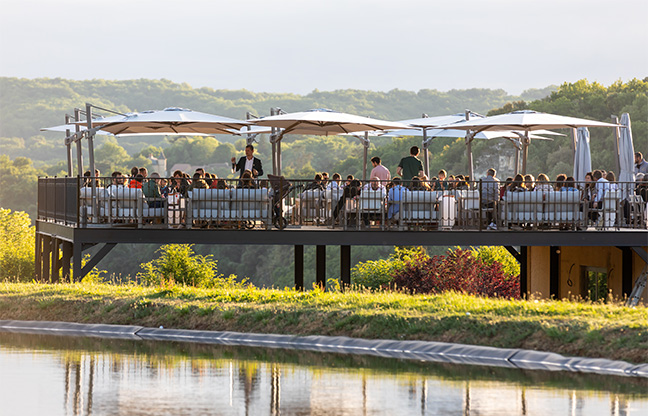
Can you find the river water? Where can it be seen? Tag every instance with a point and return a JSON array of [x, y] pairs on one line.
[[50, 375]]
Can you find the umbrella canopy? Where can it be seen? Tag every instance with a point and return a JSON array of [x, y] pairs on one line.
[[321, 122], [582, 154], [526, 121], [72, 127], [169, 121], [626, 154], [484, 135], [325, 122]]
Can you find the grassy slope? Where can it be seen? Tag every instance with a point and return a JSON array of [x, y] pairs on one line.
[[571, 328]]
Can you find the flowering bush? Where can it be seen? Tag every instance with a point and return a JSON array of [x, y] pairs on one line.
[[459, 271], [378, 274]]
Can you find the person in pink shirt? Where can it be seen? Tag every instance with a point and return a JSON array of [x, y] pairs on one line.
[[379, 171]]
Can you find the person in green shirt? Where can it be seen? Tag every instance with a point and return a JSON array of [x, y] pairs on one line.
[[410, 166], [151, 189]]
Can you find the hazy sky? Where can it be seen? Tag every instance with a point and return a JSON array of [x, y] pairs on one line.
[[300, 45]]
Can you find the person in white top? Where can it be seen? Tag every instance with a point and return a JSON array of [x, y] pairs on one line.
[[334, 183], [602, 186], [379, 171]]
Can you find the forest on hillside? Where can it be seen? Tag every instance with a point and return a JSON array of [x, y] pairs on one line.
[[26, 153]]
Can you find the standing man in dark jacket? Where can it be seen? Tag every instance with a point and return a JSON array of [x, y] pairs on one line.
[[248, 162]]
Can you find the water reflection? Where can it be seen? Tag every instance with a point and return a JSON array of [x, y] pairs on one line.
[[47, 375]]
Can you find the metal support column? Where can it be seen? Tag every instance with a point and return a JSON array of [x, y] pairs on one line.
[[46, 257], [524, 282], [554, 272], [67, 258], [626, 271], [299, 268], [320, 267], [56, 260], [38, 260], [345, 266], [77, 255]]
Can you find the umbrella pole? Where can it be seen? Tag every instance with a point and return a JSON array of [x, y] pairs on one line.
[[93, 182], [525, 154], [517, 160], [365, 145], [274, 157], [617, 133], [68, 144], [279, 157], [469, 139], [77, 116], [426, 156]]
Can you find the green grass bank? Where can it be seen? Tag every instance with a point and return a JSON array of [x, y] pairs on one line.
[[572, 328]]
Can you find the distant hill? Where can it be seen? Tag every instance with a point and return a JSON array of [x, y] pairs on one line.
[[29, 104]]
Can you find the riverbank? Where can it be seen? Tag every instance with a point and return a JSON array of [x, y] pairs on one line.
[[570, 328]]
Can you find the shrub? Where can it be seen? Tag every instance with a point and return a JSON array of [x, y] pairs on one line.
[[377, 274], [178, 263], [458, 271], [17, 242], [492, 254]]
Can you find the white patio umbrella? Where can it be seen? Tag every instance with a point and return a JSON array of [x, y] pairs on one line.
[[427, 123], [72, 128], [582, 154], [526, 121], [171, 120], [513, 136], [626, 154], [321, 122]]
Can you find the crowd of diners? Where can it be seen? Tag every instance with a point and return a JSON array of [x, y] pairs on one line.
[[410, 177]]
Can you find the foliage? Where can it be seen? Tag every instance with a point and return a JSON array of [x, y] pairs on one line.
[[492, 254], [17, 242], [458, 271], [18, 182], [94, 276], [378, 274], [178, 263]]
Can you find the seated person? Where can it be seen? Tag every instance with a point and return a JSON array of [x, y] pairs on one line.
[[247, 180], [335, 182], [198, 182], [136, 182], [316, 185], [117, 182], [151, 189], [394, 197], [350, 191]]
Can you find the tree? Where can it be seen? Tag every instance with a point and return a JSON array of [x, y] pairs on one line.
[[17, 242]]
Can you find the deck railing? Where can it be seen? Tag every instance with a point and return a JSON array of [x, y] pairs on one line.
[[281, 203]]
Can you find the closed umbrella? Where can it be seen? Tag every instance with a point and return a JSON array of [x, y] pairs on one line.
[[582, 154], [626, 155]]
